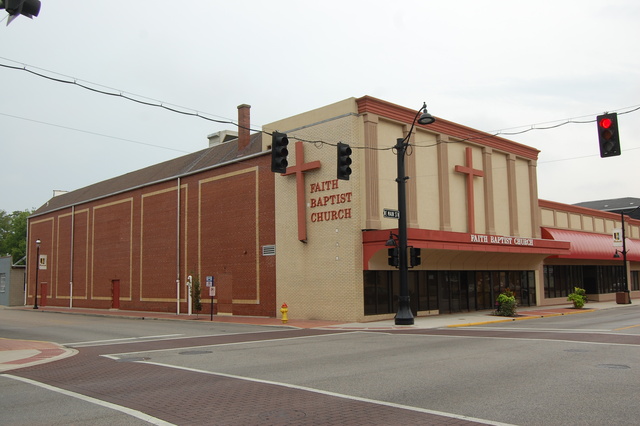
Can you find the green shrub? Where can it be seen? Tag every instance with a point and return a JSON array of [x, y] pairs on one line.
[[506, 304], [578, 297]]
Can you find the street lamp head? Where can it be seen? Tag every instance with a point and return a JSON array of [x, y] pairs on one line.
[[616, 255], [391, 242], [38, 242], [425, 118]]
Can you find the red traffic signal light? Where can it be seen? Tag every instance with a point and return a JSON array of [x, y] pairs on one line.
[[608, 136]]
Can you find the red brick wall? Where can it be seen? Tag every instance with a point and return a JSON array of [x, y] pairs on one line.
[[226, 216]]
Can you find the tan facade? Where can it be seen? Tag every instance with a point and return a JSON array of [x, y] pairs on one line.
[[321, 277], [462, 182]]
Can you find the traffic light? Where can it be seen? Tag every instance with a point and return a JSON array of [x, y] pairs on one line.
[[279, 152], [608, 135], [394, 259], [344, 161], [414, 256], [28, 8]]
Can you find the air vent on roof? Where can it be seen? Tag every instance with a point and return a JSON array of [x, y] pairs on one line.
[[222, 137], [269, 250]]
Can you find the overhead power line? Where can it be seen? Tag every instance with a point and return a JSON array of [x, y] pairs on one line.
[[94, 133], [97, 88]]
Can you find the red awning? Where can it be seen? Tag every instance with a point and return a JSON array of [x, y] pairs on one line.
[[585, 245], [374, 241]]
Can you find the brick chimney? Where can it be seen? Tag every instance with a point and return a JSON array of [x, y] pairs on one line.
[[244, 122]]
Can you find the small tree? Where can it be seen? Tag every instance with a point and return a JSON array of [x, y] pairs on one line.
[[13, 233], [196, 304]]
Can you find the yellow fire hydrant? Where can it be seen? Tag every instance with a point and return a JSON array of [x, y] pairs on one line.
[[284, 309]]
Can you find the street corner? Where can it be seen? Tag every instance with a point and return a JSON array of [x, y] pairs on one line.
[[25, 353]]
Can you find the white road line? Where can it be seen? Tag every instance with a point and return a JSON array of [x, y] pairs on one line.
[[121, 340], [117, 356], [134, 413], [531, 339], [334, 394], [556, 330], [127, 340]]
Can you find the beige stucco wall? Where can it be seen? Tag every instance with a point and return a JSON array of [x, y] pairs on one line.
[[322, 278]]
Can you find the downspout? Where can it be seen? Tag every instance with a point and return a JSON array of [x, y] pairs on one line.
[[178, 254], [73, 219]]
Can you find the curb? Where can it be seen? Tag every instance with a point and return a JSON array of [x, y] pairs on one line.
[[528, 317], [26, 353]]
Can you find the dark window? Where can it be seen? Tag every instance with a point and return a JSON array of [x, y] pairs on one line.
[[446, 291], [560, 280]]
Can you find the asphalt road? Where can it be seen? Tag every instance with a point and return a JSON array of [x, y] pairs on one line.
[[575, 369]]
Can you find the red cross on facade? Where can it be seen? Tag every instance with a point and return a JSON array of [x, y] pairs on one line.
[[299, 169], [471, 173]]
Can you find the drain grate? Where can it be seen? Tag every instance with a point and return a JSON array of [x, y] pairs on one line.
[[195, 352]]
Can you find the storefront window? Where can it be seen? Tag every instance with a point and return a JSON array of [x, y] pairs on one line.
[[446, 291], [560, 280]]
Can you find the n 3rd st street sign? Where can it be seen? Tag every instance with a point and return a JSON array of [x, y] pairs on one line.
[[391, 214]]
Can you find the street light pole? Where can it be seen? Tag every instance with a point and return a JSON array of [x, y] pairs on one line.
[[627, 287], [404, 316], [624, 259], [35, 301]]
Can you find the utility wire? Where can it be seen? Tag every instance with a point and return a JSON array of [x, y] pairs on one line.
[[121, 94], [531, 128], [317, 143], [93, 133]]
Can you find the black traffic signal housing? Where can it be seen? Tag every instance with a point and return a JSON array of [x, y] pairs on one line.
[[414, 256], [344, 161], [608, 136], [279, 152], [394, 259], [28, 8]]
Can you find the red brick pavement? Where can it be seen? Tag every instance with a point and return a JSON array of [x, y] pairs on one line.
[[193, 398]]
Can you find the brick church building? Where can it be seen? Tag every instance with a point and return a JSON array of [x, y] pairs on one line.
[[317, 243]]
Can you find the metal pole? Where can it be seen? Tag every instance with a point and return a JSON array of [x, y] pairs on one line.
[[624, 259], [73, 221], [35, 300], [404, 315]]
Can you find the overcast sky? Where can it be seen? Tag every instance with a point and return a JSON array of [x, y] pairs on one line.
[[491, 65]]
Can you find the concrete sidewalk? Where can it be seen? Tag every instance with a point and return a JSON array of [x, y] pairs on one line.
[[23, 353], [434, 321], [465, 319]]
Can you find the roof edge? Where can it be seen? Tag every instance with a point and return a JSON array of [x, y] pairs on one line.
[[167, 179]]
